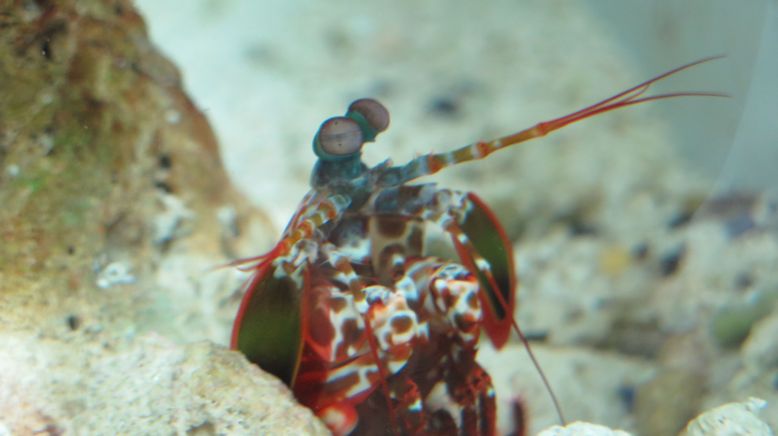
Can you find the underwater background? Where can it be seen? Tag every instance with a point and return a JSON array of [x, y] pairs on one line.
[[645, 239]]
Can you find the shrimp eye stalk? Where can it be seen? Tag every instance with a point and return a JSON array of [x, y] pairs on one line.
[[371, 116], [368, 133], [338, 138]]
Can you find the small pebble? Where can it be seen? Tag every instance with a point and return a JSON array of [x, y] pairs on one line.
[[444, 107], [670, 262], [115, 273]]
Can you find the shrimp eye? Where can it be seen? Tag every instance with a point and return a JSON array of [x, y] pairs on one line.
[[372, 116], [338, 137]]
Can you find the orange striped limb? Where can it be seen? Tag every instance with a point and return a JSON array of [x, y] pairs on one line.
[[306, 220]]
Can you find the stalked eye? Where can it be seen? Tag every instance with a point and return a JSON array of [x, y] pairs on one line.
[[374, 113], [339, 136]]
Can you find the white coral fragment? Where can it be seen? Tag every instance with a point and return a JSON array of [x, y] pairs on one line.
[[731, 419], [115, 273], [581, 428], [167, 224]]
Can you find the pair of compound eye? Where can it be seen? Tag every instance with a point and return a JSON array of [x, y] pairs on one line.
[[343, 136]]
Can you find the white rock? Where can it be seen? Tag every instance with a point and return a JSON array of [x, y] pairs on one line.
[[732, 419], [582, 429]]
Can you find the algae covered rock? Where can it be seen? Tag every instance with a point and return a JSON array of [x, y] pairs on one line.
[[115, 209]]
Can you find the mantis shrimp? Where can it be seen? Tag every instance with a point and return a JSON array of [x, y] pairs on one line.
[[366, 329]]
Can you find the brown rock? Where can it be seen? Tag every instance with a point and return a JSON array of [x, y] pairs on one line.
[[114, 207]]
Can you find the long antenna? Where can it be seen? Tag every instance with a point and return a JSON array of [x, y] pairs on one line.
[[433, 162]]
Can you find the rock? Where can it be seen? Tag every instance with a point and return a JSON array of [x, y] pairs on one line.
[[582, 429], [731, 419], [732, 324], [114, 167], [665, 403], [754, 375], [591, 386], [149, 385], [759, 351], [115, 208]]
